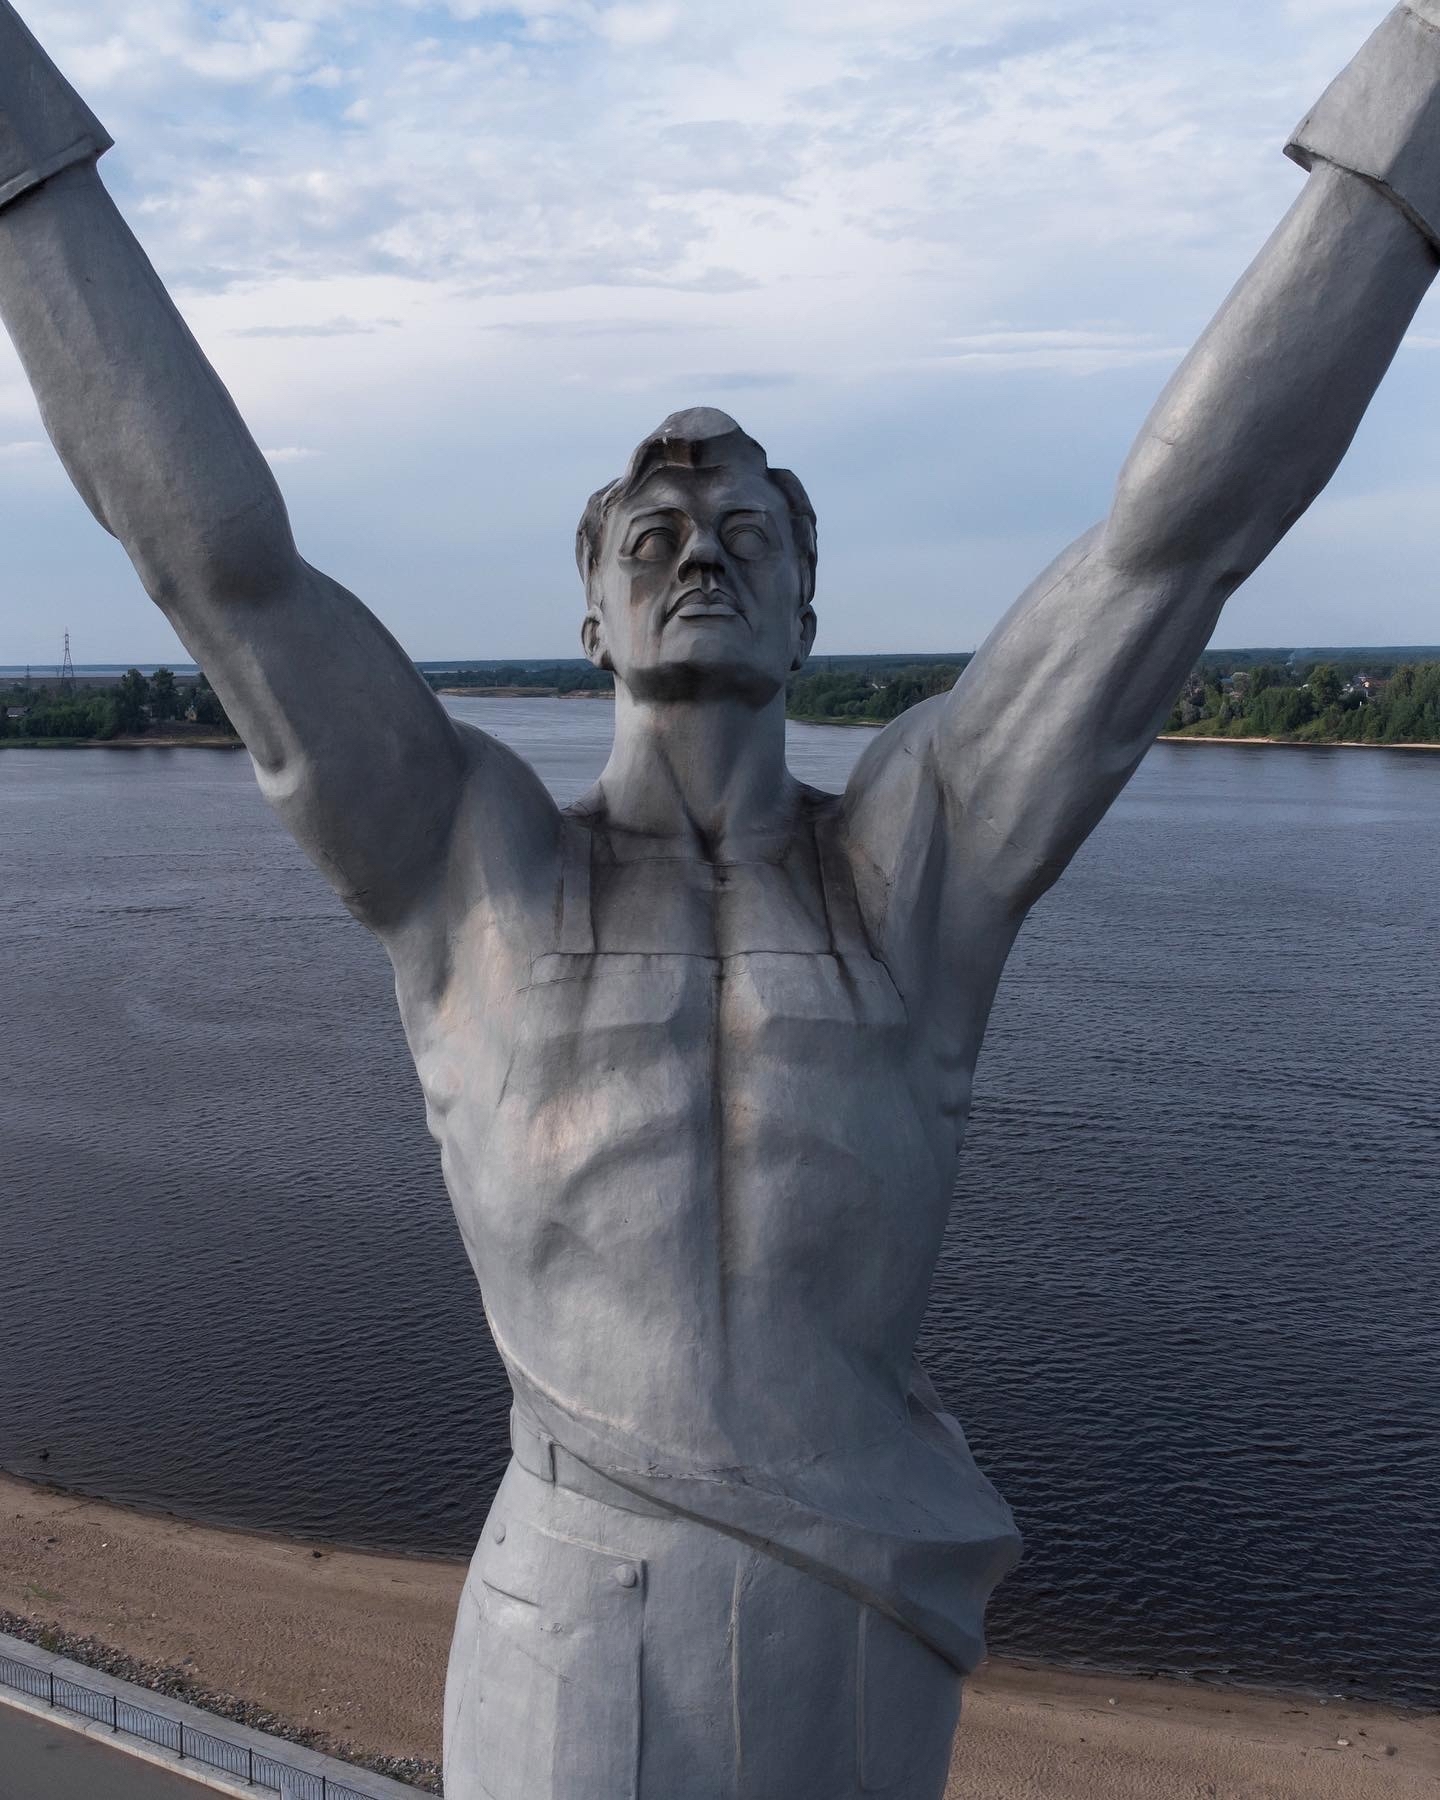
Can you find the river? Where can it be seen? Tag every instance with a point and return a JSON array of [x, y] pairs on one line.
[[1187, 1309]]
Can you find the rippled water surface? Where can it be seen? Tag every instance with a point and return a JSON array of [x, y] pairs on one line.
[[1187, 1309]]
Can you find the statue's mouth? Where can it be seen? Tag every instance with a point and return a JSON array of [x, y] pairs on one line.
[[706, 603]]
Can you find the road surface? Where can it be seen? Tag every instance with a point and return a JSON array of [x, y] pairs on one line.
[[40, 1760]]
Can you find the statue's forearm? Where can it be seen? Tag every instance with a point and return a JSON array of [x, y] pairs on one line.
[[142, 423], [145, 429], [1260, 414]]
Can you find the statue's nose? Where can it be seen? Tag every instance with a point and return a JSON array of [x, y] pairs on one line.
[[702, 553]]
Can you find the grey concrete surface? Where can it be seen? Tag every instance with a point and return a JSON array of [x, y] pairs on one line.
[[698, 1051], [43, 1760], [30, 1696]]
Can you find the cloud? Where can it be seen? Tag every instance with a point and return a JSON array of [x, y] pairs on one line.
[[635, 26], [324, 329], [1066, 351], [522, 227], [758, 143], [989, 343], [290, 454], [736, 381], [229, 46], [595, 328]]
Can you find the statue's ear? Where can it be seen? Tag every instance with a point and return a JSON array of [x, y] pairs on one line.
[[592, 640], [808, 625]]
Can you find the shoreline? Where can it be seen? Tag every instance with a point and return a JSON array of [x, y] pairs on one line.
[[226, 743], [842, 724], [1165, 737], [525, 693], [123, 743], [348, 1646], [1176, 737]]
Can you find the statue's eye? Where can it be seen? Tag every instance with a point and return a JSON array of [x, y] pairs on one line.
[[654, 545], [746, 541]]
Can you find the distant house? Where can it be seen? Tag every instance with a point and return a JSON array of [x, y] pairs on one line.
[[17, 712]]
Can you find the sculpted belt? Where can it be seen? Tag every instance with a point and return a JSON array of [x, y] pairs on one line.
[[539, 1455], [906, 1524]]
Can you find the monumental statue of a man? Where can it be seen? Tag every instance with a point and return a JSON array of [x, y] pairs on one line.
[[698, 1049]]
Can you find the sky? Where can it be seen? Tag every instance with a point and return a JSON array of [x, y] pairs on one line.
[[454, 260]]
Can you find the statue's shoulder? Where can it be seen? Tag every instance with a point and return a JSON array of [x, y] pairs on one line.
[[899, 767], [506, 843]]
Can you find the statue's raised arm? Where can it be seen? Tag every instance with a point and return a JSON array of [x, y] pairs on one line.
[[351, 746], [1052, 717]]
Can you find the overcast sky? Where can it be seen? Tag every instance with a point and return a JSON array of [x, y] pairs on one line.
[[454, 260]]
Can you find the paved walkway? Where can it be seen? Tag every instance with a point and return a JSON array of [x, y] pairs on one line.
[[43, 1761], [149, 1774]]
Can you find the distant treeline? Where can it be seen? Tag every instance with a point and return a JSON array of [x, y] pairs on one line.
[[1340, 696], [135, 706], [1333, 703], [1387, 696], [869, 693], [867, 688], [573, 675], [1350, 661]]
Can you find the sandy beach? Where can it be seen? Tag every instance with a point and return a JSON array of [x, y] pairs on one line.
[[349, 1647], [1173, 737]]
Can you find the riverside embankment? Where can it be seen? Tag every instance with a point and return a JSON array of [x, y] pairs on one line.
[[347, 1649]]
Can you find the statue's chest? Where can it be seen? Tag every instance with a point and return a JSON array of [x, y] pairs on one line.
[[669, 907], [665, 986], [729, 992], [724, 956], [688, 1039]]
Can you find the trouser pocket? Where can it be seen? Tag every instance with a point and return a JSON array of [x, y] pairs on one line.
[[552, 1708]]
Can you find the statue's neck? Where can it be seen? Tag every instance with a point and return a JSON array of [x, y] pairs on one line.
[[707, 773]]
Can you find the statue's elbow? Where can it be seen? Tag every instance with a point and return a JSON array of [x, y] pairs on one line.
[[241, 558], [1206, 540]]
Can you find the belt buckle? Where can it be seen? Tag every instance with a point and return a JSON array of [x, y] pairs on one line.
[[534, 1451]]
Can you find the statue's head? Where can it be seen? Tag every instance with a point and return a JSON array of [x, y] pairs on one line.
[[699, 566]]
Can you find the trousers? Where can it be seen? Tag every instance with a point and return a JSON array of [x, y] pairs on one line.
[[615, 1651]]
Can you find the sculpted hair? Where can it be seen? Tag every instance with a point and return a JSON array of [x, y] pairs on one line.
[[699, 438]]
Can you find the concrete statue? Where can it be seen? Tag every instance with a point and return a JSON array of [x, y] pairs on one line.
[[698, 1049]]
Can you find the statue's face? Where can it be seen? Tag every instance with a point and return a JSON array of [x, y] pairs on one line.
[[698, 588]]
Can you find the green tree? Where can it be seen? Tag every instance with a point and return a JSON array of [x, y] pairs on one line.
[[164, 696], [132, 695], [209, 711], [1325, 685]]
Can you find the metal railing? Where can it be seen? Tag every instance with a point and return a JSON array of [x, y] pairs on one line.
[[264, 1773]]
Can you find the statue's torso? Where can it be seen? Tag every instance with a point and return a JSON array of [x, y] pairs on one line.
[[699, 1154]]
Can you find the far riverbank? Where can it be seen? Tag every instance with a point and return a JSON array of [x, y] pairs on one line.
[[1180, 737], [123, 743], [171, 738], [348, 1648], [1165, 737], [228, 743], [525, 693]]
